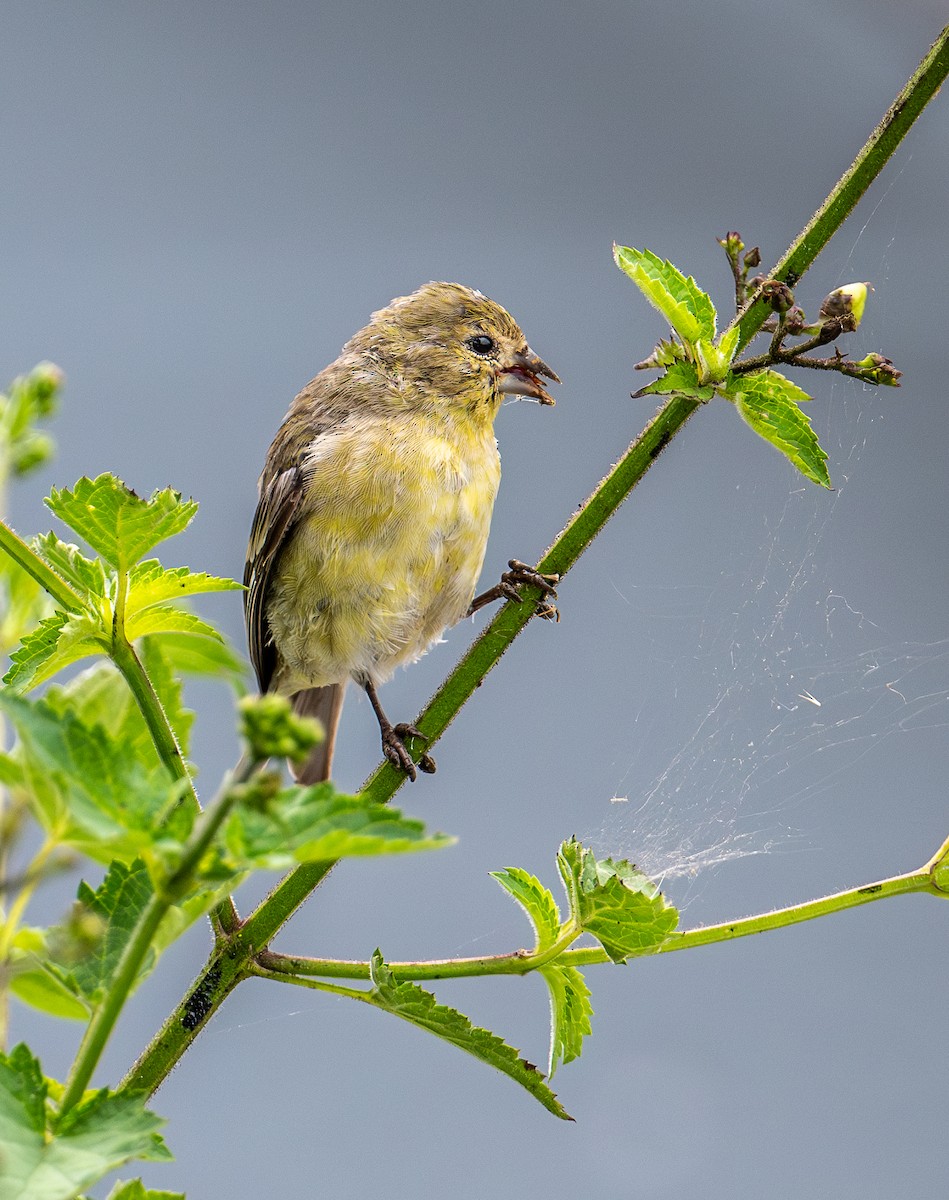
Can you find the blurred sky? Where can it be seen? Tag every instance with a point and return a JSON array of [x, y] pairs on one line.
[[200, 203]]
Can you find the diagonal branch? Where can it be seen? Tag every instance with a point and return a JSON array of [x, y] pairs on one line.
[[229, 962]]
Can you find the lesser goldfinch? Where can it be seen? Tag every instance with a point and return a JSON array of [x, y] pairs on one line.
[[375, 502]]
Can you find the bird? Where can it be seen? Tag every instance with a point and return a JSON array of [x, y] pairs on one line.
[[374, 506]]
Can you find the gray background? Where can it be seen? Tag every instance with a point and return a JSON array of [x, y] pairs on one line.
[[200, 203]]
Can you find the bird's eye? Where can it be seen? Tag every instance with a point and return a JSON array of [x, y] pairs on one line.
[[481, 344]]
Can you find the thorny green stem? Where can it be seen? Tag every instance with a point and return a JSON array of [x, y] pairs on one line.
[[174, 887], [521, 962], [230, 962], [45, 576], [872, 157], [163, 736]]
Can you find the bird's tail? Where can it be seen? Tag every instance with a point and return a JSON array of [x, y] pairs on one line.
[[326, 704]]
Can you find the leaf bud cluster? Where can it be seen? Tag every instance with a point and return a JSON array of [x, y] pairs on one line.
[[271, 729]]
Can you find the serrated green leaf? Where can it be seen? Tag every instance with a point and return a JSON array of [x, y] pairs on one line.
[[39, 1162], [536, 901], [134, 1189], [165, 618], [99, 695], [87, 575], [117, 904], [615, 902], [681, 301], [570, 1013], [768, 403], [311, 824], [202, 656], [151, 583], [418, 1007], [117, 523], [55, 643], [681, 379], [96, 794]]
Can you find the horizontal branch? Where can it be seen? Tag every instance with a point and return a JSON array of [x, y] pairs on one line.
[[521, 962]]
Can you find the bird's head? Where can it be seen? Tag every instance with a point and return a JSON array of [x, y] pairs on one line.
[[447, 344]]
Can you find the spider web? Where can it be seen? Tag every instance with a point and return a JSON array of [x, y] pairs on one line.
[[791, 681]]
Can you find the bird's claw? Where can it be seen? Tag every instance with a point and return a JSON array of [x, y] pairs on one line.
[[521, 573], [394, 748]]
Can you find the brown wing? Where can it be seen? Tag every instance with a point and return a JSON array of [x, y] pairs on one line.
[[323, 405], [277, 509]]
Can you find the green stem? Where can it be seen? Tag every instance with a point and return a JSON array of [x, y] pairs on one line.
[[174, 887], [919, 90], [520, 962], [229, 963], [45, 576], [163, 736], [101, 1026]]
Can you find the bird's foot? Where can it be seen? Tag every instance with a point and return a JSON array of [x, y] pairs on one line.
[[518, 575], [395, 750]]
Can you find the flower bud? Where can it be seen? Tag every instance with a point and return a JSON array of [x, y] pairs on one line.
[[732, 244], [45, 380], [846, 301], [830, 330], [795, 321], [752, 259], [778, 295], [32, 451], [272, 730], [875, 369]]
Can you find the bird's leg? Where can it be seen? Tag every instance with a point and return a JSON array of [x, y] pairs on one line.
[[393, 744], [521, 573]]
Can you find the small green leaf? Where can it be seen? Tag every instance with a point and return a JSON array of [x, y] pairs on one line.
[[615, 902], [87, 575], [713, 362], [35, 983], [681, 301], [55, 643], [570, 1013], [165, 618], [151, 583], [311, 824], [413, 1004], [681, 379], [117, 523], [768, 402], [45, 1160], [536, 901], [728, 343], [664, 354]]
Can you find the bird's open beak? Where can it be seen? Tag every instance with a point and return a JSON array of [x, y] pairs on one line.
[[519, 376]]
